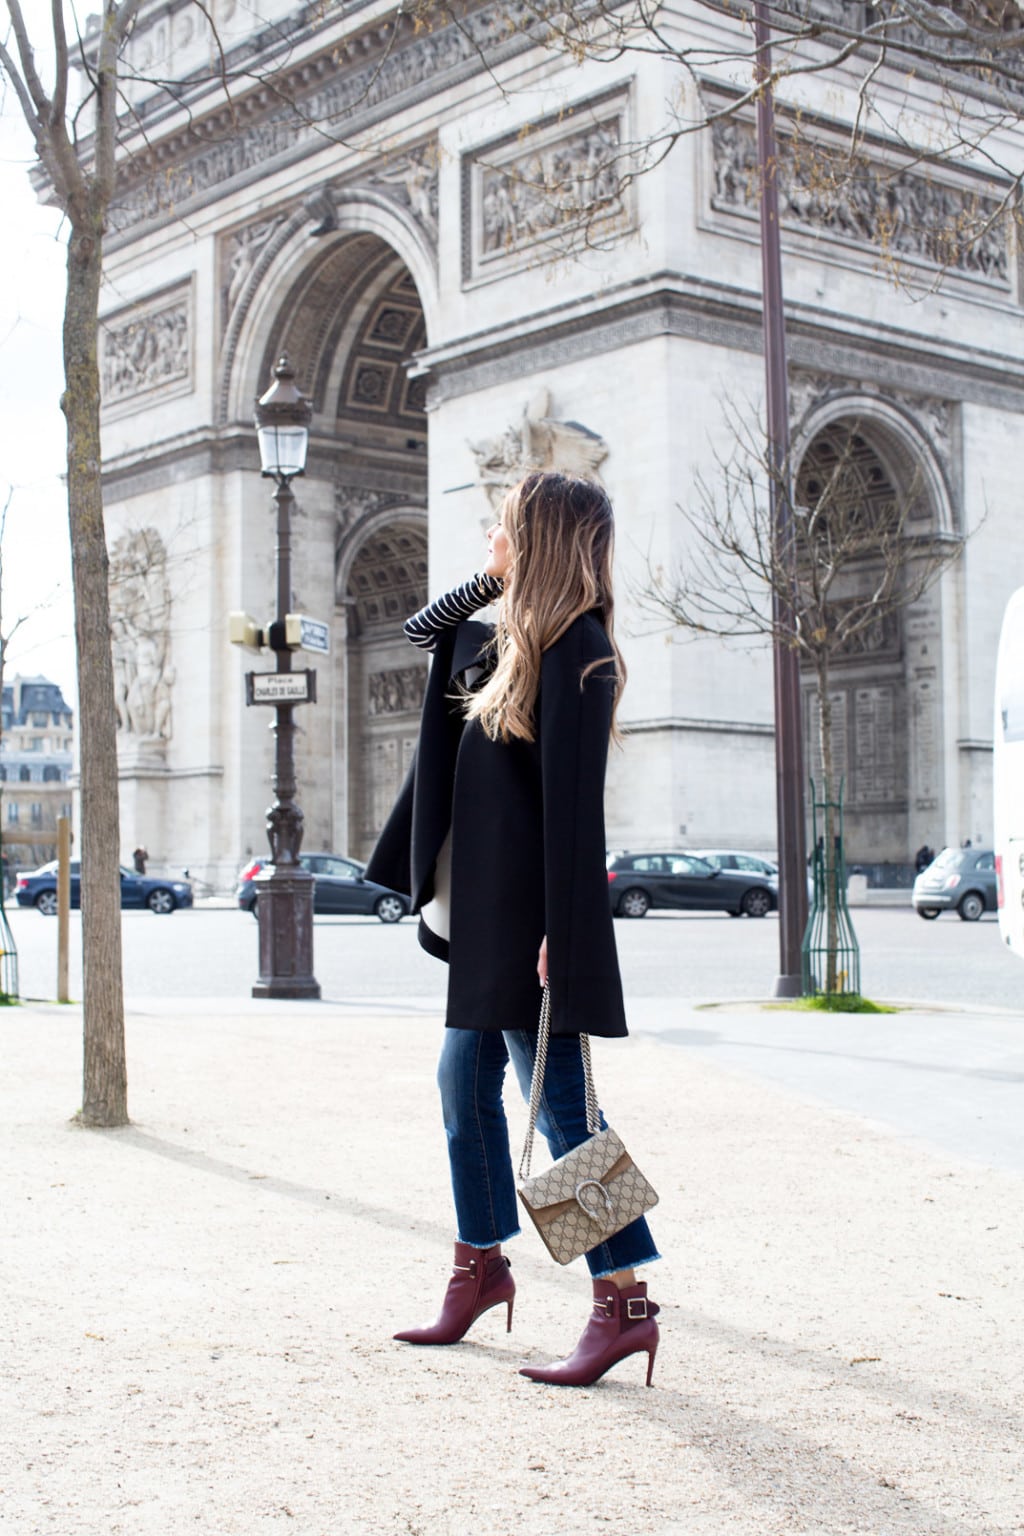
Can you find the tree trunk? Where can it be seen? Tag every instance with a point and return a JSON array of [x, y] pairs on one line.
[[829, 824], [105, 1086]]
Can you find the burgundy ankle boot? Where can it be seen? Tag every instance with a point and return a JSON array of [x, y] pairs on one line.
[[622, 1323], [481, 1279]]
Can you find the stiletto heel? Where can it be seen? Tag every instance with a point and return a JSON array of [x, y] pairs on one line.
[[481, 1279], [508, 1320], [622, 1323]]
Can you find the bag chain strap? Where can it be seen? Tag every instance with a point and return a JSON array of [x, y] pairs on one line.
[[540, 1062]]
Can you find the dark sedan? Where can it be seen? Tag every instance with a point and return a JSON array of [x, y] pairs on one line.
[[341, 887], [162, 896], [963, 880], [681, 881]]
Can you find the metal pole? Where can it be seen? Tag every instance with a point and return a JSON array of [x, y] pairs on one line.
[[789, 773], [63, 905], [285, 901]]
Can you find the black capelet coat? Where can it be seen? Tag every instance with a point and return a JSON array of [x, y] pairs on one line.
[[528, 841]]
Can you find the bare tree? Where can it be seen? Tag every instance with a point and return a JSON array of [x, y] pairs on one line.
[[84, 127], [855, 559], [82, 186]]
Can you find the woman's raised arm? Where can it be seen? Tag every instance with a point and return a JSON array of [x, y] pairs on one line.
[[448, 610]]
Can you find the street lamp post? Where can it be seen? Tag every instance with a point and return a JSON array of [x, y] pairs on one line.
[[789, 782], [285, 902]]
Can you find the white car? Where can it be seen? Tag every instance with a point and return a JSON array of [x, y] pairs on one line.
[[734, 858], [752, 863]]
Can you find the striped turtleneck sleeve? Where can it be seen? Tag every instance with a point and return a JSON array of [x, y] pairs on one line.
[[444, 612]]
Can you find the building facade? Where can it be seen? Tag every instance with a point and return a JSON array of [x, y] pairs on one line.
[[36, 757], [406, 239]]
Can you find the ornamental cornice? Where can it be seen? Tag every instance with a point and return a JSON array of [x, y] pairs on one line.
[[326, 99], [822, 341], [875, 204]]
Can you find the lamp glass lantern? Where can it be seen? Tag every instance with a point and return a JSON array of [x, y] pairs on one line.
[[283, 416]]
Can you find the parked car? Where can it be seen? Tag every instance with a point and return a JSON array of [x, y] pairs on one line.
[[731, 858], [639, 881], [960, 879], [160, 895], [340, 886], [734, 858]]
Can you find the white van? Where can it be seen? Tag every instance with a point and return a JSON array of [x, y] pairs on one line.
[[1008, 774]]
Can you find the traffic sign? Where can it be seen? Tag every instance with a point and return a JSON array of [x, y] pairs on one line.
[[281, 687], [305, 634]]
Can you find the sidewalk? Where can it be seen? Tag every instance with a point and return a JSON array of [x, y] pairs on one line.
[[195, 1312]]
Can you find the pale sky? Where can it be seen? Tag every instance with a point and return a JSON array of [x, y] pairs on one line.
[[36, 558]]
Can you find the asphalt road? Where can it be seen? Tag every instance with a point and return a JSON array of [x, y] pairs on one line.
[[952, 1078], [212, 953]]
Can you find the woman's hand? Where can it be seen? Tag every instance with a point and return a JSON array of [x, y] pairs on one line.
[[542, 962]]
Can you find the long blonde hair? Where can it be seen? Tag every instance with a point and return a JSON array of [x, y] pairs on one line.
[[560, 533]]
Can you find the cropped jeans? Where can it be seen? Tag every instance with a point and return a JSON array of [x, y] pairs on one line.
[[470, 1076]]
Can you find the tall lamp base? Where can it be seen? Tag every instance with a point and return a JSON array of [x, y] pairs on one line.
[[285, 911]]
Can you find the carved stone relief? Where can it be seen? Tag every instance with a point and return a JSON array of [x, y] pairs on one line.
[[140, 612], [239, 252], [520, 195], [537, 441], [902, 214], [927, 42], [353, 503], [413, 181], [146, 348], [397, 691], [410, 180], [374, 69], [880, 641]]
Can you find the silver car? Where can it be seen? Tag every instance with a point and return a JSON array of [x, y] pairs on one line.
[[961, 880]]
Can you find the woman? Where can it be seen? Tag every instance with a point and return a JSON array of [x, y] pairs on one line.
[[499, 837]]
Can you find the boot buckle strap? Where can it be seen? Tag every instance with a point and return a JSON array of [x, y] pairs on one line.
[[636, 1308], [466, 1269]]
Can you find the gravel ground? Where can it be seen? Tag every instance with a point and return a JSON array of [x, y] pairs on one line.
[[195, 1312]]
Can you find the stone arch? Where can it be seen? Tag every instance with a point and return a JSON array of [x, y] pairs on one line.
[[887, 691], [381, 577], [349, 309], [903, 448], [291, 254]]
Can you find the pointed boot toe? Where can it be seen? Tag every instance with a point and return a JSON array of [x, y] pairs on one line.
[[481, 1279], [621, 1324]]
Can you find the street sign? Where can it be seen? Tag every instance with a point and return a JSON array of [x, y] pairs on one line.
[[281, 687], [305, 634]]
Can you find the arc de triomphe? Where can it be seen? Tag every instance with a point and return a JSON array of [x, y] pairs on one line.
[[403, 238]]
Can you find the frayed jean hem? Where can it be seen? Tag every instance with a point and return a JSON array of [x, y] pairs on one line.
[[636, 1264], [494, 1242]]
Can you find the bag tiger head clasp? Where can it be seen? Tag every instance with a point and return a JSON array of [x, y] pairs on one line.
[[603, 1195]]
